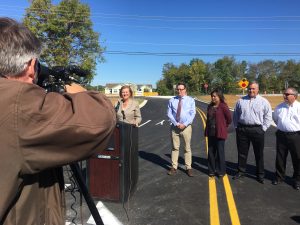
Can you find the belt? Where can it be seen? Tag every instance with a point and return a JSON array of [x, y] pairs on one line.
[[248, 125], [289, 132]]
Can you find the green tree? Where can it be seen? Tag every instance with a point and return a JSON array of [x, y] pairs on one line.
[[169, 77], [162, 89], [295, 77], [288, 74], [239, 70], [67, 34], [209, 76], [223, 74], [183, 75], [252, 72], [267, 75], [197, 71]]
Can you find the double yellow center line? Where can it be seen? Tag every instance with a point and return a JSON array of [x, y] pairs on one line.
[[213, 200]]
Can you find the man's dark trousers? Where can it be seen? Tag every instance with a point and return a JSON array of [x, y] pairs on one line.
[[246, 134], [287, 142]]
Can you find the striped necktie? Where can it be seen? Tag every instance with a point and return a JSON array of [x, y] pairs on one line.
[[178, 109]]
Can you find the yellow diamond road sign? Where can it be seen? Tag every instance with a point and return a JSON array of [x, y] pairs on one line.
[[243, 83]]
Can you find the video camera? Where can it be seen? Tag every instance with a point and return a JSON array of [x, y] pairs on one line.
[[55, 79]]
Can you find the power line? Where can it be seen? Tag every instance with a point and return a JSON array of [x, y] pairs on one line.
[[202, 17], [202, 45], [142, 53], [179, 19], [290, 18], [199, 19], [118, 15], [201, 28], [184, 28], [192, 45]]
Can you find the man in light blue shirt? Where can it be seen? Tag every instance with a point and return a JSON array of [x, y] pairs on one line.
[[181, 112], [252, 117]]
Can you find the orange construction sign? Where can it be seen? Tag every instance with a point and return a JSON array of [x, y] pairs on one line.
[[243, 83]]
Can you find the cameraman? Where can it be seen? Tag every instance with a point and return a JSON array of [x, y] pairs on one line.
[[40, 132]]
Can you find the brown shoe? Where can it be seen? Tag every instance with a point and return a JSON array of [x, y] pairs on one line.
[[172, 171], [189, 172]]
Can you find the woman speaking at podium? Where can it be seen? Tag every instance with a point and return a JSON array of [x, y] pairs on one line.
[[127, 109]]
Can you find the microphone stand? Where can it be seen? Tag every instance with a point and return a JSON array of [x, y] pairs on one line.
[[80, 181]]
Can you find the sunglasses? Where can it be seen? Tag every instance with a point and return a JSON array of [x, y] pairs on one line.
[[287, 94], [178, 89]]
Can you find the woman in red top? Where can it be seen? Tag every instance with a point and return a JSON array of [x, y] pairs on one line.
[[217, 122]]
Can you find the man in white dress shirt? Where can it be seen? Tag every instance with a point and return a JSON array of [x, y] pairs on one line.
[[287, 118]]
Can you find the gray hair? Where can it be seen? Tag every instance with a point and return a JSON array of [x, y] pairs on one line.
[[18, 45], [254, 82], [295, 92]]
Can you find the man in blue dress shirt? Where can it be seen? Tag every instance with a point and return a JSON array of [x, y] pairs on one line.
[[181, 112]]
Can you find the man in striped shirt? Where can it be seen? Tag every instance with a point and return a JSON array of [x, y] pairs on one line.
[[252, 117]]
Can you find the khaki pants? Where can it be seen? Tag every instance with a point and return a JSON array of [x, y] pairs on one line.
[[187, 135]]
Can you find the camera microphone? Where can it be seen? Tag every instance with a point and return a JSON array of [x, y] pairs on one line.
[[123, 113]]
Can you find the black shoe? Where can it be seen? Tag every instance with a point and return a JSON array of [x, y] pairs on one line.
[[260, 180], [276, 182], [238, 176], [296, 186]]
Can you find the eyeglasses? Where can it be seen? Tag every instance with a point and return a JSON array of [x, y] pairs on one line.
[[178, 89], [287, 94], [249, 89]]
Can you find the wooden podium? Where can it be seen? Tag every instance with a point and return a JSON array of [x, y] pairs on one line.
[[113, 172]]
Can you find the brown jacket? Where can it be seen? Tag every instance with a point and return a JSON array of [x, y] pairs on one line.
[[132, 113], [39, 133]]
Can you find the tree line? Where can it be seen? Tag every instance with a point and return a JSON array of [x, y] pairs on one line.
[[225, 73]]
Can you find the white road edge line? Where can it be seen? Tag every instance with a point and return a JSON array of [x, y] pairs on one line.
[[161, 122], [107, 217], [144, 123]]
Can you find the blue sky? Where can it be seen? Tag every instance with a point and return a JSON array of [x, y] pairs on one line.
[[189, 27]]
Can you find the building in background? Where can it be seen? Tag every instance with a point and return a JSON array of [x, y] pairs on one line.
[[142, 89], [138, 89], [112, 89]]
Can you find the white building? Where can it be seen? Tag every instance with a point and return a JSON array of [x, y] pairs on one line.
[[114, 88]]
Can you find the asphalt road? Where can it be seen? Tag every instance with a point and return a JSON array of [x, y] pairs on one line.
[[179, 200]]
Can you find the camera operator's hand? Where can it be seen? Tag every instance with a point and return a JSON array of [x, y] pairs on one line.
[[74, 88]]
